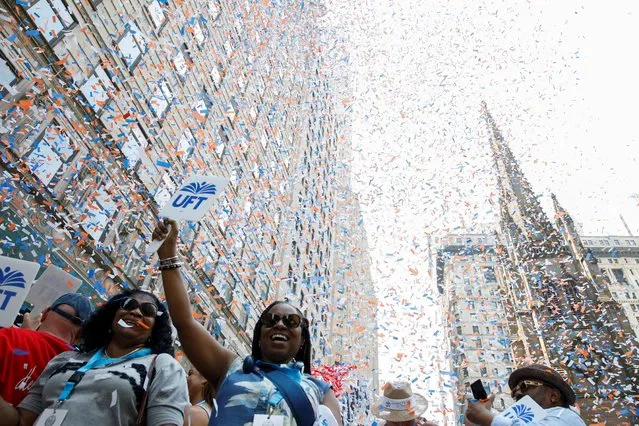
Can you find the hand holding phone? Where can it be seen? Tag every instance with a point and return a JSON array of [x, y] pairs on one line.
[[479, 393]]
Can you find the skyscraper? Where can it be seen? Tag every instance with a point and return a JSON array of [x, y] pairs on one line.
[[557, 301], [106, 106]]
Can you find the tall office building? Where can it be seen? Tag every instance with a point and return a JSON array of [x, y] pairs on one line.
[[107, 105], [475, 317], [557, 302], [618, 259]]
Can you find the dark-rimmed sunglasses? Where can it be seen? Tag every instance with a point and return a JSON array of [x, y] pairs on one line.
[[525, 385], [147, 309], [290, 320], [68, 316]]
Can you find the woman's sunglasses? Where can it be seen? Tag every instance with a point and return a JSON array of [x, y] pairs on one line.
[[525, 385], [290, 320], [147, 309]]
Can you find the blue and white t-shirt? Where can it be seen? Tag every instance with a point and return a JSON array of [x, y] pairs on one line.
[[242, 395]]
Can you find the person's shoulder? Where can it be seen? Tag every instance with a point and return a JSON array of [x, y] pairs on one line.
[[566, 414], [321, 384], [164, 362]]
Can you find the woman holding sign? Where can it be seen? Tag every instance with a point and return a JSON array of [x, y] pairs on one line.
[[274, 385], [124, 372]]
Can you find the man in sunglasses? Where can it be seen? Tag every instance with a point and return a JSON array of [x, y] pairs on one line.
[[545, 386], [24, 353]]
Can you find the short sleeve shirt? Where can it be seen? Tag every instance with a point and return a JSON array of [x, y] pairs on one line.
[[23, 356], [113, 394]]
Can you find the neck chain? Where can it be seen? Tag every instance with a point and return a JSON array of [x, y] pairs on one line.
[[128, 353]]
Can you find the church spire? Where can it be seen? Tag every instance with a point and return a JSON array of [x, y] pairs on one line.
[[537, 236]]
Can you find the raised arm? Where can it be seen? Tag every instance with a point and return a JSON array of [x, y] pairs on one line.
[[210, 358]]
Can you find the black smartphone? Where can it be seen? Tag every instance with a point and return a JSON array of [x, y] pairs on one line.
[[25, 308], [479, 393]]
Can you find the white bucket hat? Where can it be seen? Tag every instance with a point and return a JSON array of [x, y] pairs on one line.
[[399, 403]]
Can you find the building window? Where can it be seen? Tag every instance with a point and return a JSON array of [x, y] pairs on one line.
[[181, 61], [216, 75], [157, 15], [50, 153], [133, 146], [459, 330], [195, 28], [221, 141], [51, 17], [161, 98], [202, 107], [132, 46], [186, 145], [214, 9], [99, 212], [475, 329], [164, 191], [484, 371], [8, 75], [224, 214], [97, 90]]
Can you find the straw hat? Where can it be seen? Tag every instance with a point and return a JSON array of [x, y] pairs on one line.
[[399, 403]]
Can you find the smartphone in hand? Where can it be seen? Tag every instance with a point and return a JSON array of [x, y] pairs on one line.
[[479, 393]]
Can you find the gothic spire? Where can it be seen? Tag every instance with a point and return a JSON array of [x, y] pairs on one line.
[[538, 237]]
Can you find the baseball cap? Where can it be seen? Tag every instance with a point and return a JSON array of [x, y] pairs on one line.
[[78, 302]]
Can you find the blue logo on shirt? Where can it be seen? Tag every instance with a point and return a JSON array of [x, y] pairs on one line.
[[521, 412]]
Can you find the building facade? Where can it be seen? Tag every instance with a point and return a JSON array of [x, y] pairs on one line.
[[106, 106], [561, 306], [475, 318], [618, 258]]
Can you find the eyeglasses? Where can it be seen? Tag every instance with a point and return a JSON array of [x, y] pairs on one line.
[[147, 309], [525, 385], [290, 320], [68, 316]]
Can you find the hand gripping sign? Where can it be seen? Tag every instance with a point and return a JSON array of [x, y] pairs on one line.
[[16, 277], [191, 201]]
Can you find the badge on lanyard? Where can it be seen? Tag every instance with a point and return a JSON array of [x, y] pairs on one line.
[[51, 417], [268, 420]]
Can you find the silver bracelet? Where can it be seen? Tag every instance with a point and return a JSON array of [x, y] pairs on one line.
[[169, 260], [168, 266]]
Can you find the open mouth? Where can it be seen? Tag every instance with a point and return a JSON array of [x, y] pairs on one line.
[[125, 324], [279, 337], [128, 323]]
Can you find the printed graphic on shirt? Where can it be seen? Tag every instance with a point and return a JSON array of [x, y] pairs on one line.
[[26, 382]]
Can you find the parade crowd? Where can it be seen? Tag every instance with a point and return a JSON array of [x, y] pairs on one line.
[[117, 366]]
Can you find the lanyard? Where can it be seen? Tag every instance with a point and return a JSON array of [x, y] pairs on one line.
[[99, 359]]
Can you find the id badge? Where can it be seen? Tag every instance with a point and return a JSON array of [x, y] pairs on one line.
[[51, 417], [266, 420]]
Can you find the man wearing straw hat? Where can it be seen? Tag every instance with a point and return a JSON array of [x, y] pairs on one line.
[[399, 406]]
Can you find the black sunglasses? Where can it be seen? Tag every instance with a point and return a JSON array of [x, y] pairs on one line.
[[147, 309], [68, 316], [290, 320]]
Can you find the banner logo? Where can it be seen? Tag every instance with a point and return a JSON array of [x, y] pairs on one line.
[[9, 278]]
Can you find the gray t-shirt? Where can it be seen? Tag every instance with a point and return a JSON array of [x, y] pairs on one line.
[[112, 394]]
